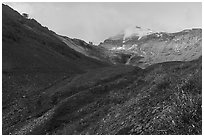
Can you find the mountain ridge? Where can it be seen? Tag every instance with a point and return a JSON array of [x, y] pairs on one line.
[[154, 47], [132, 31], [46, 41]]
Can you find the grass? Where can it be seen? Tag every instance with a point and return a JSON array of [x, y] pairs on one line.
[[136, 103], [162, 99]]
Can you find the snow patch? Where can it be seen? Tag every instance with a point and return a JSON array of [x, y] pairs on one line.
[[159, 34], [136, 31], [133, 46]]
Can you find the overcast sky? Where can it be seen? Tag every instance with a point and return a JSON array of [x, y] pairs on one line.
[[98, 21]]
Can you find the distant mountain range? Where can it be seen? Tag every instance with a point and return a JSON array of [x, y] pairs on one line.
[[144, 47]]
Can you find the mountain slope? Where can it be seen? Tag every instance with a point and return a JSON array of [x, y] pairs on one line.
[[89, 50], [29, 46], [155, 47], [33, 59]]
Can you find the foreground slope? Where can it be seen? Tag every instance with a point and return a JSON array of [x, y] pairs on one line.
[[164, 98]]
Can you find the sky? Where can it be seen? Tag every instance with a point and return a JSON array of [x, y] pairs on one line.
[[98, 21]]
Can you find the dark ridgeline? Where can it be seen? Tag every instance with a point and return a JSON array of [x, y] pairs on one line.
[[53, 84]]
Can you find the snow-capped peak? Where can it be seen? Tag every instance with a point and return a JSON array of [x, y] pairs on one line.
[[136, 31], [132, 31]]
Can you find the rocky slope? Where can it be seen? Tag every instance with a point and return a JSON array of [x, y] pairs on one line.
[[89, 50], [162, 99], [33, 59], [146, 47]]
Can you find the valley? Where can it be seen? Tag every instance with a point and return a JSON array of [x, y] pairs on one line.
[[139, 82]]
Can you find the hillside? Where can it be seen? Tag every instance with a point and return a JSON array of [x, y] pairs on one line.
[[162, 99], [29, 46], [144, 47], [33, 59], [89, 50]]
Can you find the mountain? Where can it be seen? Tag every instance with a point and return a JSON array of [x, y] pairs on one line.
[[29, 46], [53, 84], [89, 50], [132, 32], [146, 47]]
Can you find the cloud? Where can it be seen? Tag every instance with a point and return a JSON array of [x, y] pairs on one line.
[[98, 21]]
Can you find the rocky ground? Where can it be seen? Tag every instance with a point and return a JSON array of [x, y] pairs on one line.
[[156, 47], [162, 99]]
